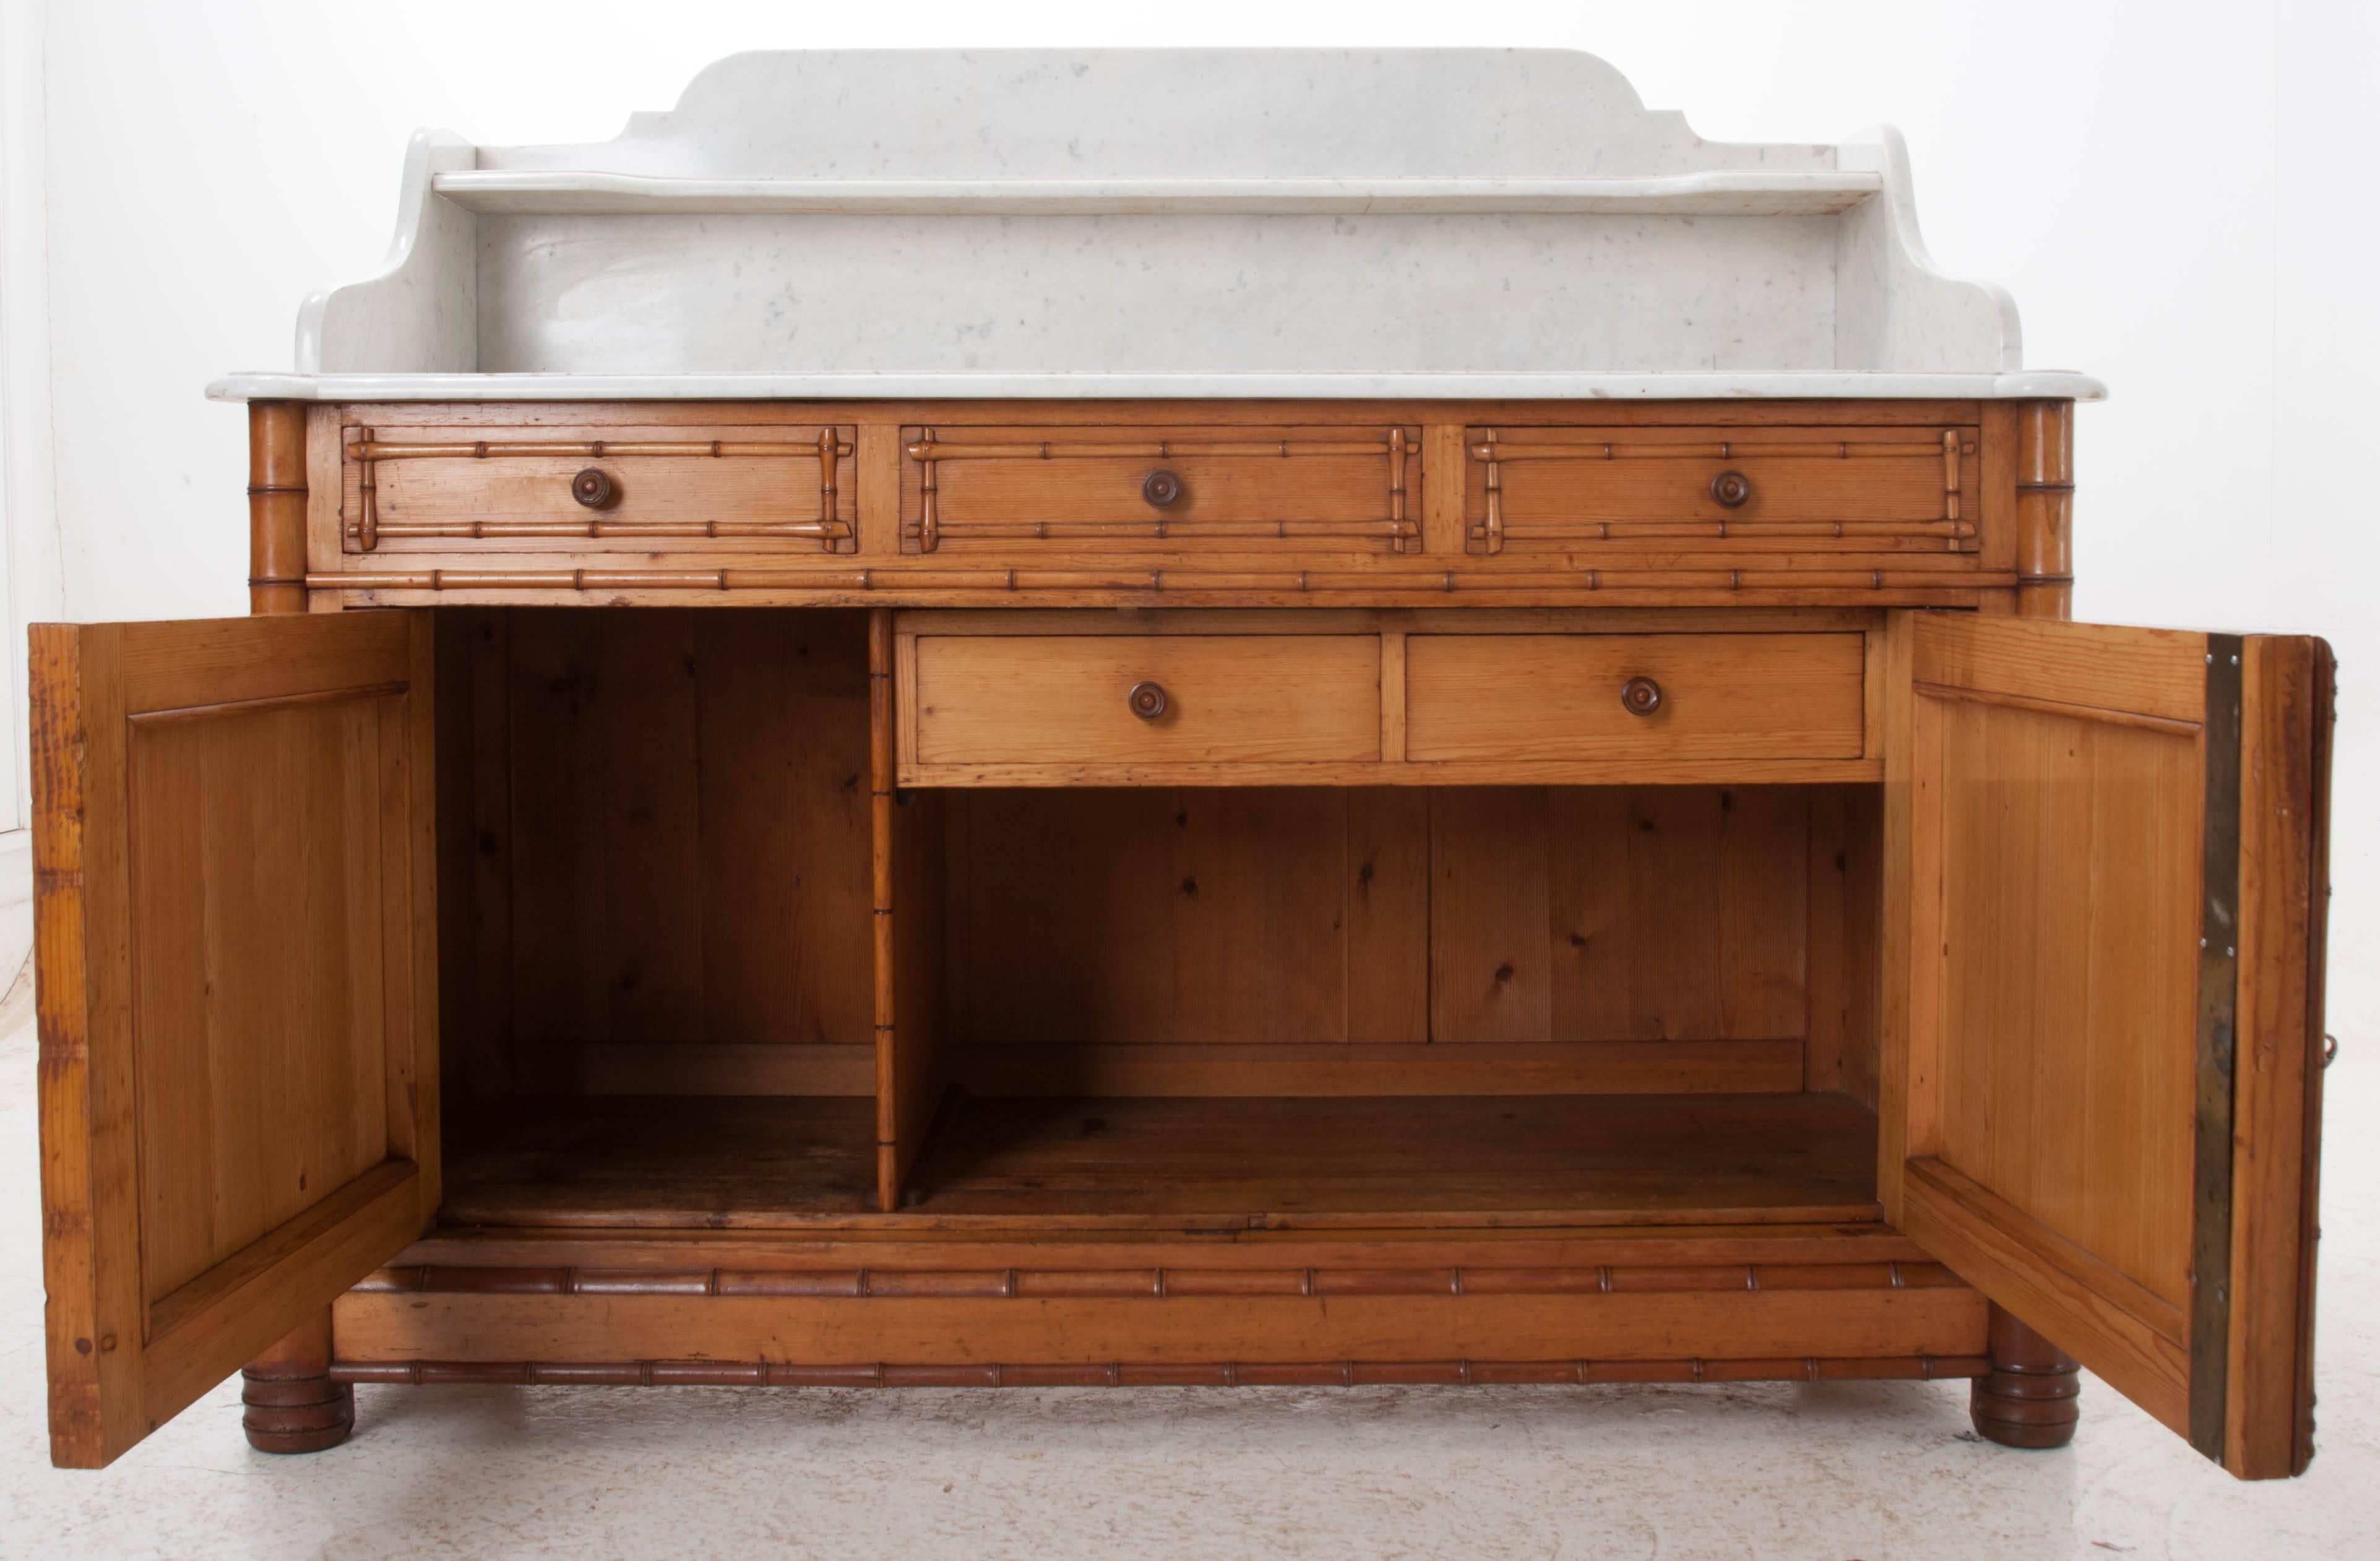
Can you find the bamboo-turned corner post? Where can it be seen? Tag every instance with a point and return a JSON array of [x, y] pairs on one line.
[[881, 778], [276, 507], [2045, 509], [290, 1404]]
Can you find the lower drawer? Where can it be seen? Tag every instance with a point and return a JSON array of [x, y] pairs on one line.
[[1647, 696], [1144, 699]]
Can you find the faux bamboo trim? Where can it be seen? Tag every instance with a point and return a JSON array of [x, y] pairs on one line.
[[599, 529], [1395, 530], [1490, 449], [925, 533], [1631, 531], [276, 506], [1490, 532], [1129, 1373], [908, 581], [368, 449], [1154, 1284], [831, 529], [929, 449]]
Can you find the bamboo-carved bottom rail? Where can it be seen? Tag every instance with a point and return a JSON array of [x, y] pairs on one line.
[[1117, 1373], [1155, 582]]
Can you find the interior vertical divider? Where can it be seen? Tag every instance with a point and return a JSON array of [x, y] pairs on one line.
[[906, 867]]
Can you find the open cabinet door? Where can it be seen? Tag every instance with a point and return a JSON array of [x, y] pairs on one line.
[[236, 983], [2103, 1009]]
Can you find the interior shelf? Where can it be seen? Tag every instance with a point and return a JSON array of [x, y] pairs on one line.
[[1183, 1163], [1730, 192]]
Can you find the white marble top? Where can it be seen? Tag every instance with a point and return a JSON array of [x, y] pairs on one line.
[[1404, 223], [2053, 384]]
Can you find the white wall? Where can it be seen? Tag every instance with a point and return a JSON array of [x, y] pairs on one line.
[[2175, 192]]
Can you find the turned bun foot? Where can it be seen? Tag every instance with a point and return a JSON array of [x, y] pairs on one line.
[[298, 1414], [292, 1404], [2032, 1397]]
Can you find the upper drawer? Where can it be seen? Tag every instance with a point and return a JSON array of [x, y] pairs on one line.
[[1126, 699], [1179, 489], [1803, 490], [419, 488], [1675, 697]]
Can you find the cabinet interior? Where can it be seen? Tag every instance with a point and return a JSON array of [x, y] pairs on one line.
[[1560, 1005]]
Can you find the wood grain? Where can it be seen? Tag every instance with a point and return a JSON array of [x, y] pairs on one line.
[[235, 845], [1062, 700], [1723, 697], [1573, 487], [2044, 1070], [1127, 1163], [1652, 1326], [433, 488], [1020, 488], [2277, 1127], [672, 839]]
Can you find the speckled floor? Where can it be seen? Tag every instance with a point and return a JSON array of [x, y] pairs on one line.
[[1848, 1469]]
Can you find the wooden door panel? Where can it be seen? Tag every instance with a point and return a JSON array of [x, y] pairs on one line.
[[234, 898], [2078, 953]]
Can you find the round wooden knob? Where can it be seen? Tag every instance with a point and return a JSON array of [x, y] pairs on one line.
[[1146, 699], [1640, 697], [595, 489], [1161, 488], [1730, 489]]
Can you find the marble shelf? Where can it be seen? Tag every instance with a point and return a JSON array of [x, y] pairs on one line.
[[1075, 224], [1732, 192]]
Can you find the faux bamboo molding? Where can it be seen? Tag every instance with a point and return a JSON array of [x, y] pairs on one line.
[[1126, 1373], [1796, 585], [276, 507], [1952, 531], [925, 532], [2045, 509], [1159, 1283], [832, 529]]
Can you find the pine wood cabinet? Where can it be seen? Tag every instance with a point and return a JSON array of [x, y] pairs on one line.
[[880, 893]]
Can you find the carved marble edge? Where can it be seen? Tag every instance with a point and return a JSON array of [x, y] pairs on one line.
[[2039, 384]]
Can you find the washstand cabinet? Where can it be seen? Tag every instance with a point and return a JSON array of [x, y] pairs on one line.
[[1033, 720]]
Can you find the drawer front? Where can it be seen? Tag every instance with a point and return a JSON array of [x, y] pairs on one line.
[[422, 490], [1852, 489], [1115, 490], [1583, 696], [1217, 699]]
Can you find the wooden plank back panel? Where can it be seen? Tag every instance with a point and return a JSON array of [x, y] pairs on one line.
[[1293, 916], [1846, 909], [1611, 914], [672, 835], [1152, 915]]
